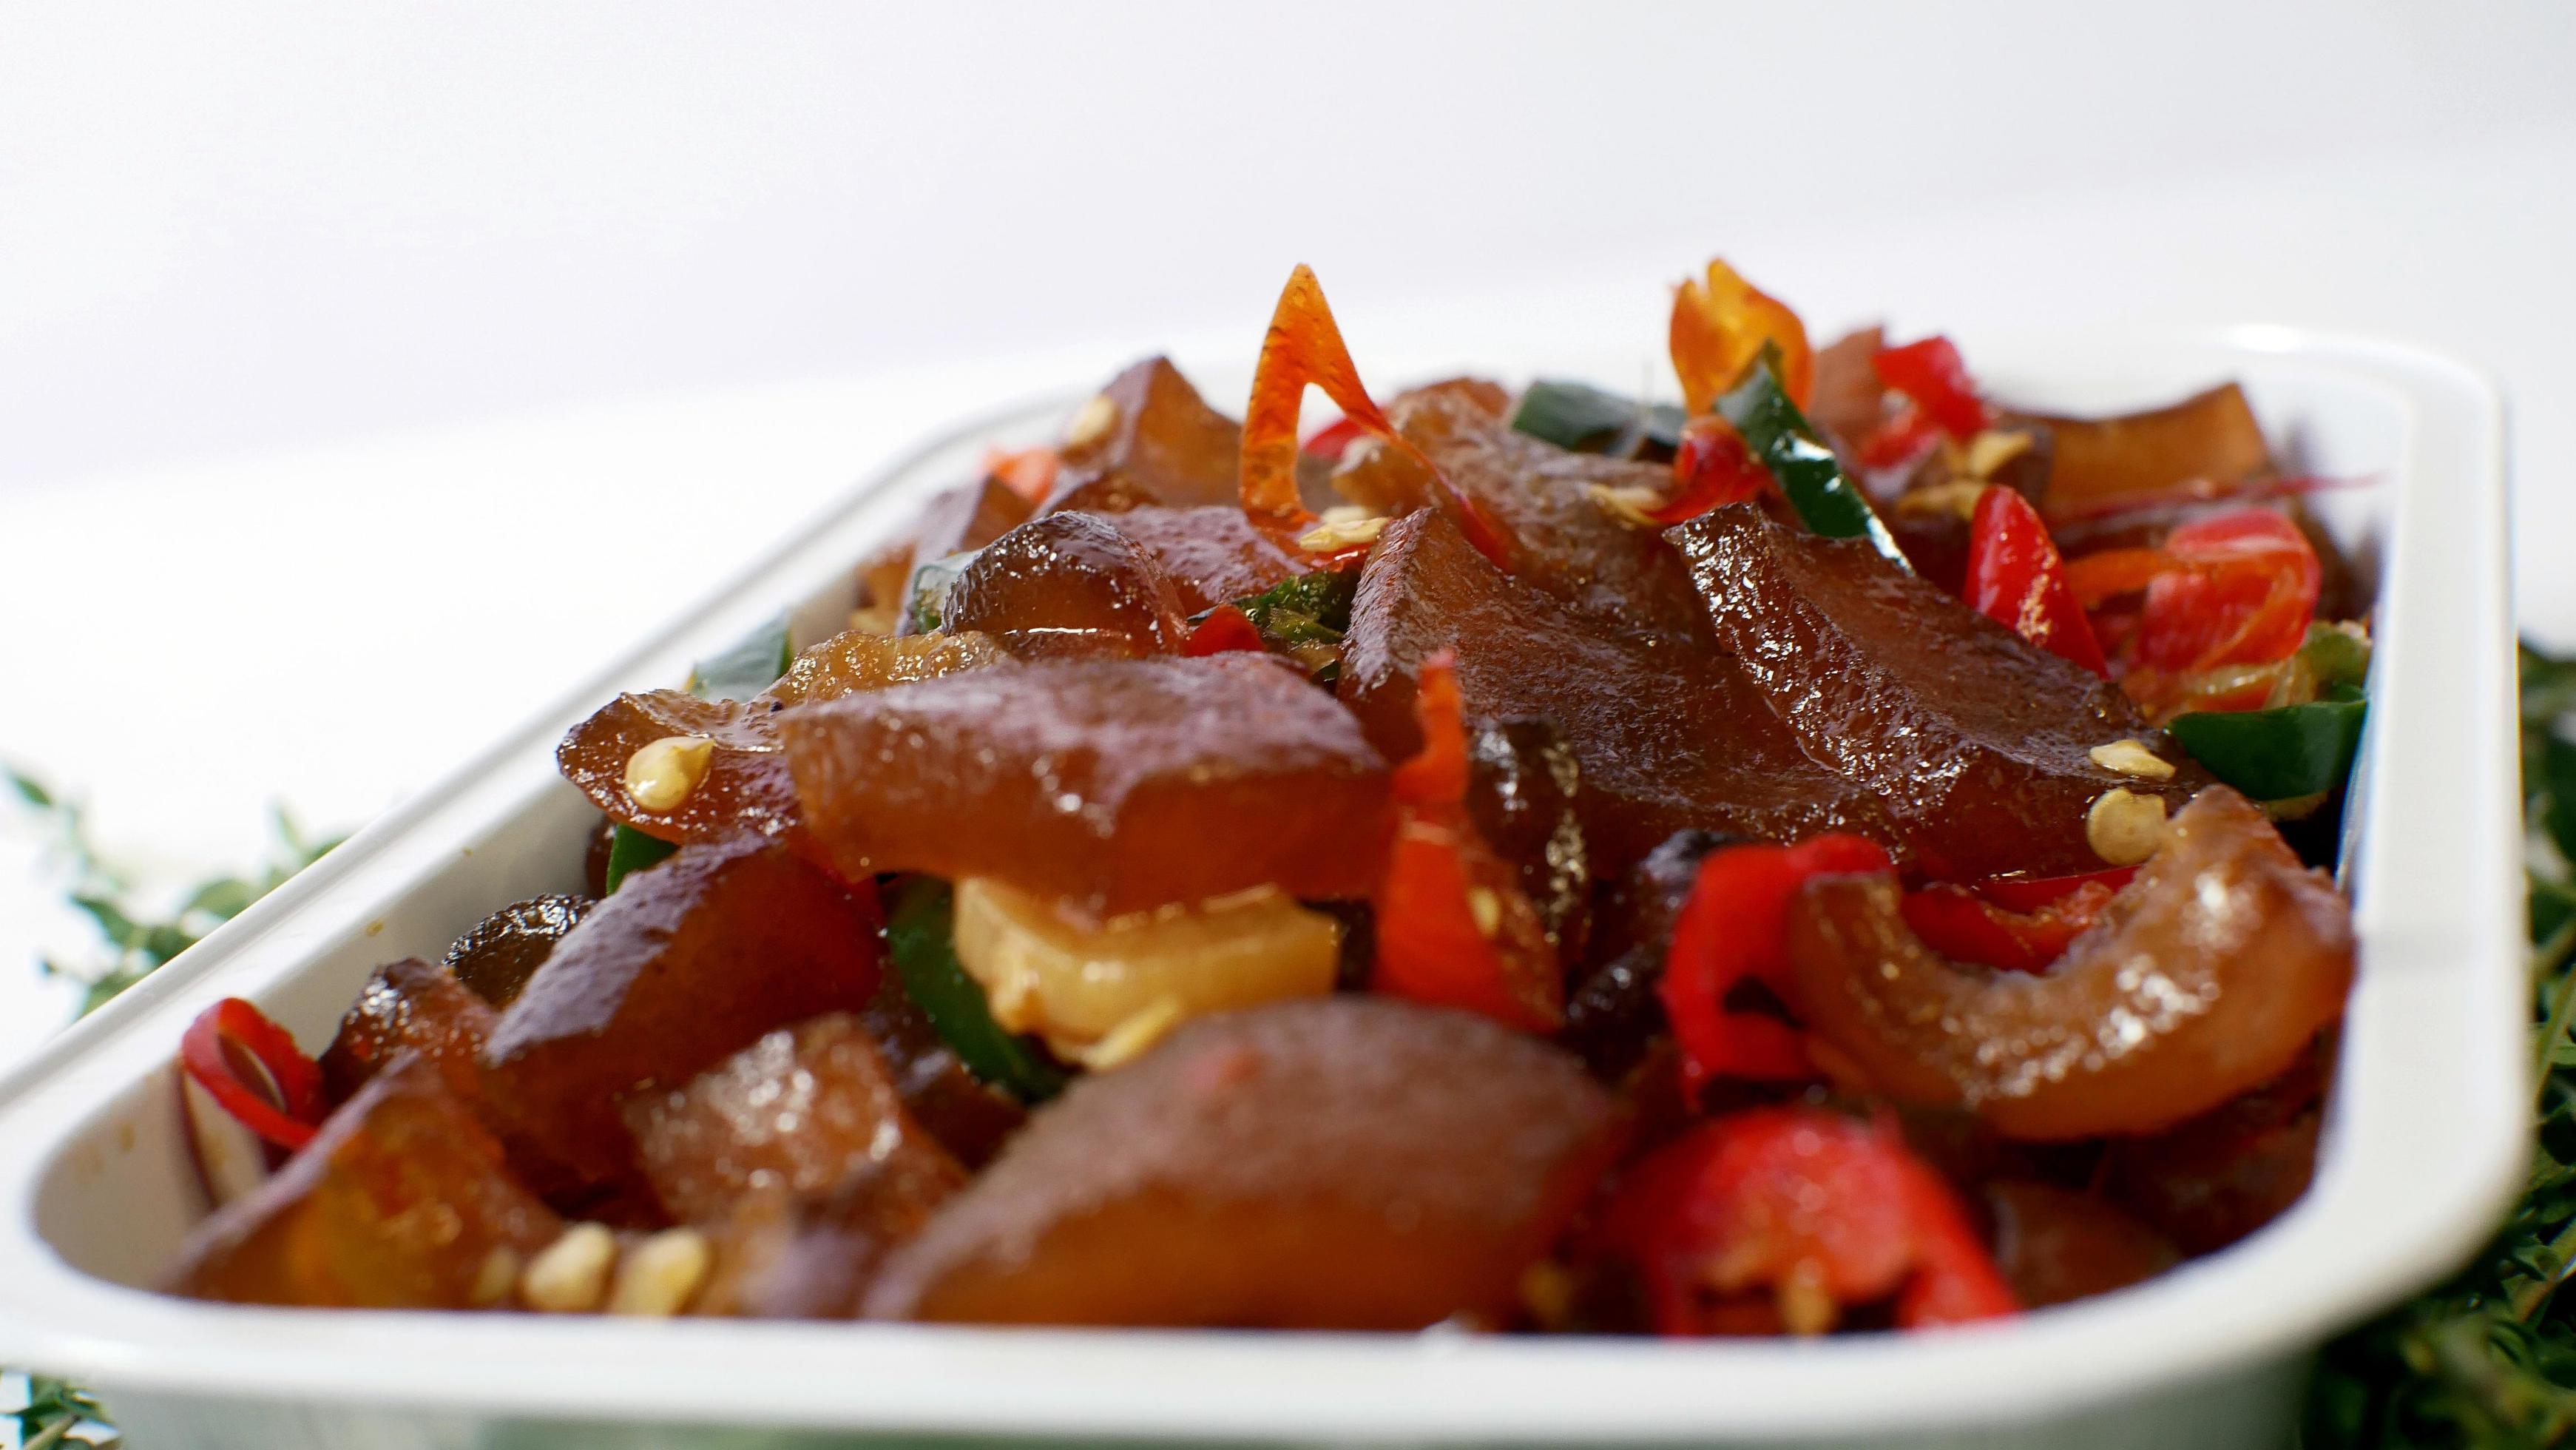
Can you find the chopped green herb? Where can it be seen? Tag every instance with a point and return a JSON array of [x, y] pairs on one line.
[[1808, 473], [1304, 618], [752, 664], [921, 938], [1587, 419]]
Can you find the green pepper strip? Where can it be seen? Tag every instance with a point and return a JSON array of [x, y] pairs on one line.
[[921, 937], [2277, 754], [1303, 618], [1808, 473], [630, 851], [1586, 419]]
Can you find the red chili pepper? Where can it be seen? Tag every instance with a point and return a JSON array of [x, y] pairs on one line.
[[1733, 929], [2015, 579], [1433, 943], [1966, 926], [251, 1067], [1330, 440], [1226, 629], [1823, 1211], [1304, 346], [1932, 373], [1900, 439], [1712, 467], [2244, 596]]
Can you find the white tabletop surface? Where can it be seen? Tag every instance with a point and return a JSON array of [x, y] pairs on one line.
[[365, 372]]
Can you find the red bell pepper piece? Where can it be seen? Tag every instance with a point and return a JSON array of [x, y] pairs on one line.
[[1712, 467], [1965, 925], [1932, 373], [1226, 629], [253, 1070], [1719, 326], [2015, 579], [1453, 927], [1733, 929], [1304, 346], [1823, 1211], [1900, 439]]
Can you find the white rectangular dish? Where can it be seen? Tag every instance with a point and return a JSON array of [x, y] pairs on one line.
[[2425, 1135]]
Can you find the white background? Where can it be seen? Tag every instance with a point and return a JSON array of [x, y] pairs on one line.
[[368, 371]]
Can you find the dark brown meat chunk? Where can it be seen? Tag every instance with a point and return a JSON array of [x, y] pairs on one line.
[[1341, 1163], [1848, 398], [1165, 446], [1668, 736], [409, 1006], [1612, 1012], [688, 963], [504, 949], [1109, 785], [399, 1202], [1070, 584], [1524, 793], [2214, 1179], [1972, 738], [802, 1108]]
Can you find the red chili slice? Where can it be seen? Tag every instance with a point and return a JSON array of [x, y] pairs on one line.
[[254, 1071], [1434, 944], [1823, 1211], [1226, 629], [1731, 931], [2016, 579], [1712, 467]]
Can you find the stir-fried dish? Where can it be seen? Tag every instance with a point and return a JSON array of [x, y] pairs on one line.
[[1839, 853]]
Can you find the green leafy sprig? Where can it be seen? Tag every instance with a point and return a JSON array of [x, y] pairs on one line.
[[2488, 1360], [135, 940]]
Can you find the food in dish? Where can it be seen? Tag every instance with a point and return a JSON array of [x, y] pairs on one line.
[[1834, 854]]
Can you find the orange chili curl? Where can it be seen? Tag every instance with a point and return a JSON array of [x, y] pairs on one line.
[[1718, 329], [1304, 346]]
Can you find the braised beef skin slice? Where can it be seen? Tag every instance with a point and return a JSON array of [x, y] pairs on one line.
[[1211, 553], [1559, 538], [1847, 399], [2055, 1245], [803, 1107], [1973, 739], [504, 949], [1668, 736], [1343, 1162], [2211, 436], [1069, 585], [1164, 446], [746, 786], [1109, 785], [399, 1202], [686, 964]]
